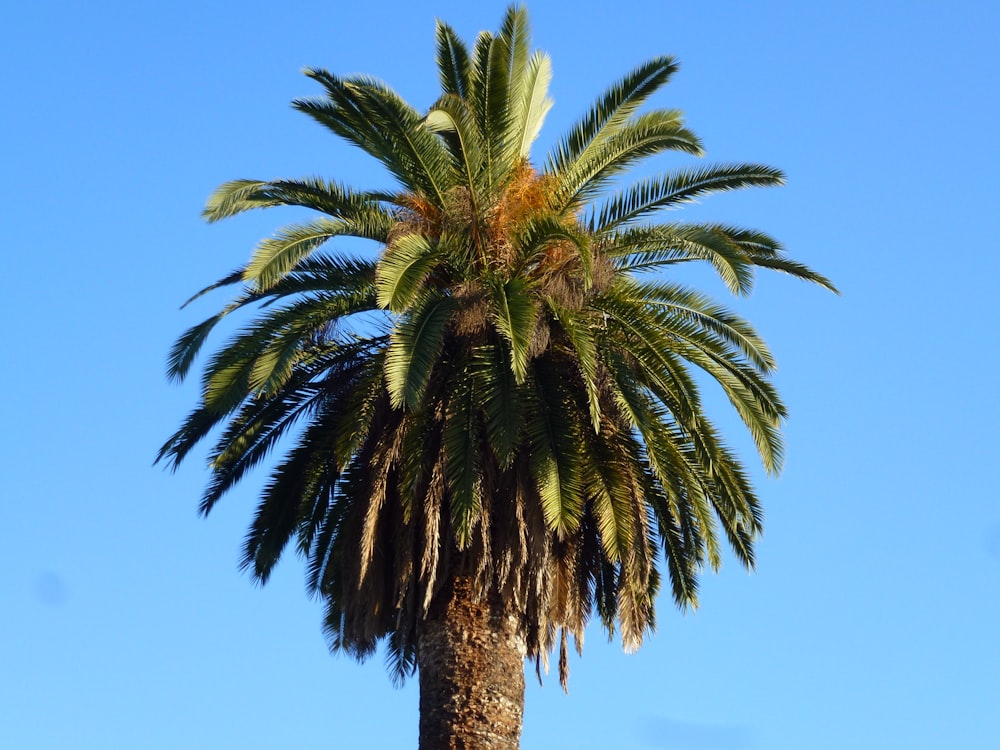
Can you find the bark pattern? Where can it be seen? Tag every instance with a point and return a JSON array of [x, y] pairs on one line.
[[471, 668]]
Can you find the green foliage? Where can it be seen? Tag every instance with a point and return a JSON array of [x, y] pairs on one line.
[[508, 389]]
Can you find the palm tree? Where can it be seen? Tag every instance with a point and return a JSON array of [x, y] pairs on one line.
[[490, 427]]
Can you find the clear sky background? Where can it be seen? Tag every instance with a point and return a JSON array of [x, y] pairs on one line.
[[872, 620]]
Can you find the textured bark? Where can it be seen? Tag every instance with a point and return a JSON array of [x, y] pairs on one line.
[[471, 668]]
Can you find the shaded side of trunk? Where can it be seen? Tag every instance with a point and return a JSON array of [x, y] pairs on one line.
[[471, 668]]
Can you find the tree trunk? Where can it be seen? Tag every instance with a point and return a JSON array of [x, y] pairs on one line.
[[471, 667]]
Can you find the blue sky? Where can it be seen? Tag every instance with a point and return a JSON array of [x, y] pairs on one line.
[[871, 621]]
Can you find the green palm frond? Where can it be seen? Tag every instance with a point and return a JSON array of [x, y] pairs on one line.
[[304, 479], [515, 312], [368, 114], [233, 277], [579, 334], [452, 118], [647, 135], [527, 82], [426, 158], [647, 248], [682, 566], [608, 483], [488, 99], [334, 200], [417, 341], [633, 335], [452, 61], [554, 450], [535, 235], [250, 437], [461, 441], [503, 411], [403, 270], [535, 104], [683, 186], [609, 113], [186, 348], [277, 255], [798, 270], [686, 305], [351, 277]]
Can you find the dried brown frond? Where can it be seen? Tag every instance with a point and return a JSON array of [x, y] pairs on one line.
[[416, 215], [602, 272], [527, 194], [560, 275], [563, 661], [540, 337], [431, 539], [473, 312], [386, 455], [459, 212]]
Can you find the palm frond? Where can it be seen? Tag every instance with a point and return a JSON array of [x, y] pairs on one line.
[[684, 186], [233, 277], [553, 448], [401, 273], [301, 481], [452, 61], [515, 35], [502, 401], [798, 270], [452, 117], [536, 104], [610, 112], [335, 200], [277, 255], [368, 114], [649, 134], [186, 348], [578, 333], [514, 312], [687, 305], [417, 340], [461, 443]]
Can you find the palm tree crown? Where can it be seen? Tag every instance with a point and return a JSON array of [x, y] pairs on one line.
[[505, 392]]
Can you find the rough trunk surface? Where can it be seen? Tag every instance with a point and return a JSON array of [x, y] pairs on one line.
[[471, 669]]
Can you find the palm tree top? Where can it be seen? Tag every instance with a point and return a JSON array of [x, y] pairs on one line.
[[505, 391]]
